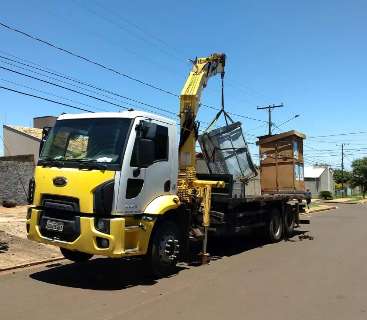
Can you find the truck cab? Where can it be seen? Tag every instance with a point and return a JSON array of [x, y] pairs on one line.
[[101, 181]]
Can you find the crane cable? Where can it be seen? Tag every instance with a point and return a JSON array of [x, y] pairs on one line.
[[221, 111]]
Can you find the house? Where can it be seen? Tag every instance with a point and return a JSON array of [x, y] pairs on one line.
[[19, 140], [21, 149], [319, 178]]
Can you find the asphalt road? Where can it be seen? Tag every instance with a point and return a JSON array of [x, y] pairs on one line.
[[323, 278]]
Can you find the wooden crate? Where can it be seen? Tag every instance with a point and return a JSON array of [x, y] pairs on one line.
[[281, 163]]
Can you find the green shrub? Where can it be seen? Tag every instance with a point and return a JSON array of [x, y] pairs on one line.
[[326, 195]]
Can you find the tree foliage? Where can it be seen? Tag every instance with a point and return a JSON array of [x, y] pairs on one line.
[[359, 174], [342, 177]]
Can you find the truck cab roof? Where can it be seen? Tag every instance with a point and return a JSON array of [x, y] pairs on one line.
[[125, 114]]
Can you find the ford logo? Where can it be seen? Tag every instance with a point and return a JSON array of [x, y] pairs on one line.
[[60, 181]]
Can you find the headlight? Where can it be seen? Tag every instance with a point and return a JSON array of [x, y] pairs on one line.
[[103, 198]]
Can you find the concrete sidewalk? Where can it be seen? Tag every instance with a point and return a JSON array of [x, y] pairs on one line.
[[15, 250], [319, 208], [347, 201]]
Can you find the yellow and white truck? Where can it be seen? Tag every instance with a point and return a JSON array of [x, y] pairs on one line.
[[121, 184]]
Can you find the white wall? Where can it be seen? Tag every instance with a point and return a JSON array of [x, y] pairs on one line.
[[16, 144]]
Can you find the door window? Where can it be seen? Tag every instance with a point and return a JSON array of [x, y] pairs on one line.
[[161, 148]]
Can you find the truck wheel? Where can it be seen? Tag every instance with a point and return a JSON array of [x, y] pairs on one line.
[[290, 221], [164, 249], [275, 227], [75, 256]]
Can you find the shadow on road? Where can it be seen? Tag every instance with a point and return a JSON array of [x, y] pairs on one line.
[[118, 274], [98, 274], [226, 247]]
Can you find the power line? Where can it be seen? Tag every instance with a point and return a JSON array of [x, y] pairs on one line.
[[149, 34], [119, 26], [283, 123], [53, 72], [270, 108], [50, 94], [60, 86], [84, 84], [45, 42], [339, 134], [45, 99], [87, 59]]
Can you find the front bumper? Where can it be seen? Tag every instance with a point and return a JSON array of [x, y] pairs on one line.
[[122, 240]]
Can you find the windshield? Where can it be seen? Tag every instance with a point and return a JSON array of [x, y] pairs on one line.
[[98, 140]]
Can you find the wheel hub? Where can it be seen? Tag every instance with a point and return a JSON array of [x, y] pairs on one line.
[[169, 249]]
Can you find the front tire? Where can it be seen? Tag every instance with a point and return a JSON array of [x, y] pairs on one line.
[[75, 256], [164, 249], [275, 227]]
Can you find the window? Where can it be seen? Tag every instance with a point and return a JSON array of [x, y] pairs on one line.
[[160, 146], [295, 149], [161, 143], [298, 172], [87, 140]]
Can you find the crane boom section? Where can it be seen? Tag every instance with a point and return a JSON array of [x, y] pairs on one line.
[[202, 70]]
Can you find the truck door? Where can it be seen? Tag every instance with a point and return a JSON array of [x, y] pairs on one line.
[[147, 172]]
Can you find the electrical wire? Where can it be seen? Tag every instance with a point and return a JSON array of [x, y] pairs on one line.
[[132, 78], [51, 94], [62, 87], [45, 99], [87, 59], [118, 25], [339, 134], [84, 84]]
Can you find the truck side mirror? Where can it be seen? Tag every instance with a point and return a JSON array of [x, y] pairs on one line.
[[45, 133], [145, 152], [148, 130]]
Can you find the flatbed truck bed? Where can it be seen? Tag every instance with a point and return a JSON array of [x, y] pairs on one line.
[[234, 213]]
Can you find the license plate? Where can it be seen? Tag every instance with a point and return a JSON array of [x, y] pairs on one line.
[[54, 225]]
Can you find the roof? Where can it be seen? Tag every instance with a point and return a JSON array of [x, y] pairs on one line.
[[41, 117], [275, 137], [125, 114], [30, 132], [314, 172]]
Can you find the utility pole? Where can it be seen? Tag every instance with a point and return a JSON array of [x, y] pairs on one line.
[[270, 108], [343, 168]]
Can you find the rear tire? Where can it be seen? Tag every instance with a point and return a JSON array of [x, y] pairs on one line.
[[165, 249], [275, 227], [75, 256], [289, 222]]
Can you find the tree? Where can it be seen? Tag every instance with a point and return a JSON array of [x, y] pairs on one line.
[[359, 174], [342, 177]]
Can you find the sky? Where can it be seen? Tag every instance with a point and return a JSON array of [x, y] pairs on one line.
[[308, 55]]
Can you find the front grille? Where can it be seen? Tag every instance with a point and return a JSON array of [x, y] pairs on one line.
[[62, 212], [61, 203], [70, 226]]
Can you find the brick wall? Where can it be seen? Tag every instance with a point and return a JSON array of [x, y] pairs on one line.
[[15, 172]]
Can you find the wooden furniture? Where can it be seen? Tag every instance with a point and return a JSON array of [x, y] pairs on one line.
[[281, 163]]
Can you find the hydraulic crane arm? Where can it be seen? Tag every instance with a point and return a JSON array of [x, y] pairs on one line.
[[190, 189], [202, 70]]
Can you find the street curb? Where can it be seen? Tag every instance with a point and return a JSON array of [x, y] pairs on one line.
[[323, 209], [31, 264], [349, 202]]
